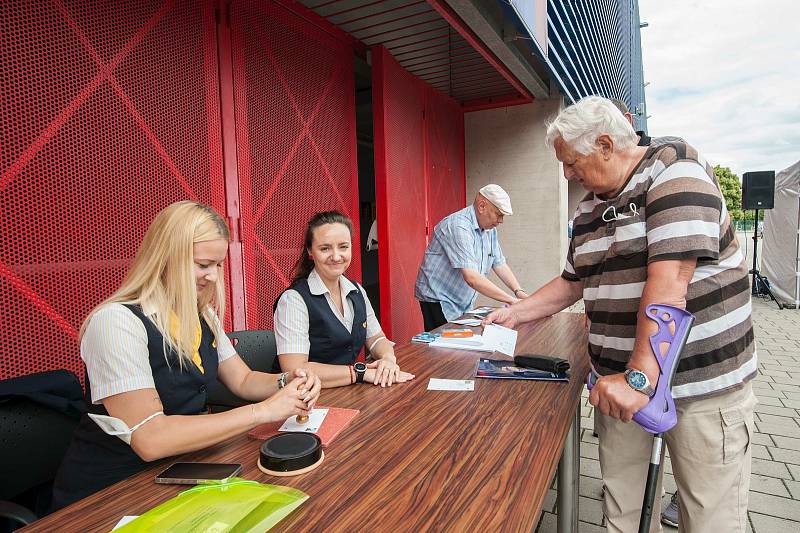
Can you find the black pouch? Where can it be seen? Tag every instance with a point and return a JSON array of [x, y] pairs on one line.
[[542, 362]]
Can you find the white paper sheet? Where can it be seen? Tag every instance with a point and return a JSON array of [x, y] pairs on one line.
[[494, 338], [462, 343], [315, 419], [124, 520], [502, 339], [451, 384]]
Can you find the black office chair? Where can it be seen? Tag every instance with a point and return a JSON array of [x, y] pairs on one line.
[[34, 437], [257, 349]]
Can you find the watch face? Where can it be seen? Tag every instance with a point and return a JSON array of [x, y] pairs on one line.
[[637, 379], [360, 367]]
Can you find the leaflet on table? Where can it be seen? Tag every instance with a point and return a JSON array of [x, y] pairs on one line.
[[503, 339], [484, 309], [505, 369], [451, 384], [480, 312], [472, 322], [425, 337], [494, 338], [475, 342]]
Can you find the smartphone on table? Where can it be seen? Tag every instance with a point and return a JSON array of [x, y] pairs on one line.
[[194, 473]]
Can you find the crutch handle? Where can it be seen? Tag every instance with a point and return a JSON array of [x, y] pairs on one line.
[[659, 414]]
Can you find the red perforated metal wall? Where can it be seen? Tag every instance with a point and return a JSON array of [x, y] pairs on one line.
[[295, 130], [444, 137], [419, 169], [109, 112]]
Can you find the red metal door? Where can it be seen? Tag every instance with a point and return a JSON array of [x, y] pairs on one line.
[[398, 104], [293, 86], [419, 169], [110, 112]]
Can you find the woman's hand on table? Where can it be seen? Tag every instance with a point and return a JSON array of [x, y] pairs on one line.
[[298, 397], [311, 388], [385, 372]]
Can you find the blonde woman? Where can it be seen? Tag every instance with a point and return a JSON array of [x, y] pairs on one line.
[[152, 349]]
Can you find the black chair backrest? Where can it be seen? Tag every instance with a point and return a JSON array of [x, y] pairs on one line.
[[38, 414], [257, 349], [33, 440]]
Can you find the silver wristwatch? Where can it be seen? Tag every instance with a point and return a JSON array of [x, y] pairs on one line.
[[638, 381], [282, 380]]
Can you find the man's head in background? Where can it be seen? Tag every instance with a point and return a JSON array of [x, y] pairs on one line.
[[492, 204], [624, 110]]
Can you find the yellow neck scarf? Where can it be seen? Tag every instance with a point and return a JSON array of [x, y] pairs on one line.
[[173, 331]]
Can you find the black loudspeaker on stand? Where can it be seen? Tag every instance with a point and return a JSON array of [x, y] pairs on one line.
[[758, 192]]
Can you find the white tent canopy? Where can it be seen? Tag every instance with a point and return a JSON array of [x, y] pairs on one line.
[[780, 259]]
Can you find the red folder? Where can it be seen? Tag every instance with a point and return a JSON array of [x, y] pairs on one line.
[[335, 421]]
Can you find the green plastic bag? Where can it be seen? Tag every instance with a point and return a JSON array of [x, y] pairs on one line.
[[234, 506]]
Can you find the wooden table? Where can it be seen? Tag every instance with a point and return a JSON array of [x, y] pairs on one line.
[[413, 459]]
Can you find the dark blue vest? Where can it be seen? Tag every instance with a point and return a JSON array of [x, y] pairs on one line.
[[95, 459], [331, 343]]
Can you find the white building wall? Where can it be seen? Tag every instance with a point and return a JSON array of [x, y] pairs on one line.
[[507, 146]]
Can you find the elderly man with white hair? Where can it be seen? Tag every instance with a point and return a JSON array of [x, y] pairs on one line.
[[654, 228], [464, 248]]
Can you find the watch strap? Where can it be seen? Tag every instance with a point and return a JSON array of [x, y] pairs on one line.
[[359, 374], [648, 390]]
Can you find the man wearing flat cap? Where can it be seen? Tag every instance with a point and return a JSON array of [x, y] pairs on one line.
[[463, 249]]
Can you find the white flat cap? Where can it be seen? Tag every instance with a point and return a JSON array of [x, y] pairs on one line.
[[498, 197]]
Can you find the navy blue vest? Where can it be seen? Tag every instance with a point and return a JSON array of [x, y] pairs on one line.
[[331, 343], [95, 459]]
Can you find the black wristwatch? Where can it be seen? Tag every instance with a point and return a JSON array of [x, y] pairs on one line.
[[360, 369]]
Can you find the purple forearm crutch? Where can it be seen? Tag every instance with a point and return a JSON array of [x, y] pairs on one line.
[[659, 415]]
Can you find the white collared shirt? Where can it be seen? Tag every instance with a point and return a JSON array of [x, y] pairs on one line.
[[291, 314], [114, 349]]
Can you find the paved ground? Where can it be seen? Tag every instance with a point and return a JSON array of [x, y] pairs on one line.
[[775, 483]]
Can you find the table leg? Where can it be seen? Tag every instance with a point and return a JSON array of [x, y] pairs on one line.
[[569, 472]]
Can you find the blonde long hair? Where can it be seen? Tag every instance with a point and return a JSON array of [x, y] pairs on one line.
[[162, 278]]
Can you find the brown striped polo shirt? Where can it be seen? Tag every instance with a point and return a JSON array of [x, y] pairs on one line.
[[670, 208]]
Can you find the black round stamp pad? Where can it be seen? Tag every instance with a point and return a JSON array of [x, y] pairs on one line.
[[290, 454]]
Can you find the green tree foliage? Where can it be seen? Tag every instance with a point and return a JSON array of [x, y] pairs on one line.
[[732, 191], [731, 188]]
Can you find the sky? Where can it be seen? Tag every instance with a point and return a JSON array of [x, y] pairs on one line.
[[725, 76]]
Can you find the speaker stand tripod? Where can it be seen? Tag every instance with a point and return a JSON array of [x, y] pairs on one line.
[[760, 285]]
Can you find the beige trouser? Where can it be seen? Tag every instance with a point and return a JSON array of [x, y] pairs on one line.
[[710, 454]]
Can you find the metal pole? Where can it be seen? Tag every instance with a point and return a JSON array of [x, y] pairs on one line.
[[797, 258], [651, 483], [753, 288], [569, 469]]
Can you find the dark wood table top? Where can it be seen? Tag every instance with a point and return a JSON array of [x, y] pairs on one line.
[[413, 459]]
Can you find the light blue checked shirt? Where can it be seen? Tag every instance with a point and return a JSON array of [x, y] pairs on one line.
[[458, 242]]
